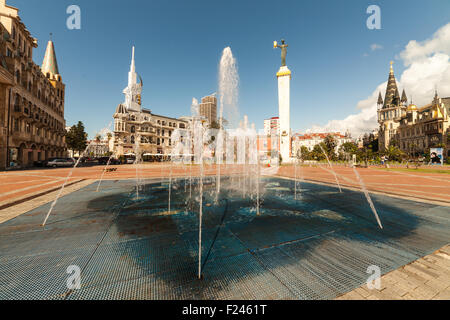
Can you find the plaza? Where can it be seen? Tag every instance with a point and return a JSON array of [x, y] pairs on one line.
[[317, 246], [187, 198]]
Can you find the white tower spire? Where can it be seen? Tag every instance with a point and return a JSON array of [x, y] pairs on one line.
[[133, 66], [133, 90], [132, 76]]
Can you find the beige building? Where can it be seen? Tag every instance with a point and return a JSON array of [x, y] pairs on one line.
[[425, 128], [208, 108], [390, 111], [31, 97], [414, 130], [138, 130]]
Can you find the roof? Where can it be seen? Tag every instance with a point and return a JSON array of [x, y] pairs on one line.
[[50, 65], [121, 109], [392, 96], [311, 136]]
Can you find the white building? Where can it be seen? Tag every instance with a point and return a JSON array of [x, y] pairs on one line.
[[310, 140], [137, 129], [272, 125]]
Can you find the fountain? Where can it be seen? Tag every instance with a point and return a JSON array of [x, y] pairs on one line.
[[331, 167], [228, 95], [235, 147], [70, 175]]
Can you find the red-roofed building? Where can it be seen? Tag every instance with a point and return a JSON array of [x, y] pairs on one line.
[[309, 140]]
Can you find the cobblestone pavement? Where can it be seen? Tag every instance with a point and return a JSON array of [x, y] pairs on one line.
[[424, 279]]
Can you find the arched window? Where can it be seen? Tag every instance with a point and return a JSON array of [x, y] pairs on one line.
[[132, 139], [17, 103]]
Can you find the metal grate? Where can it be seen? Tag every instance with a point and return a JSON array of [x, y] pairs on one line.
[[316, 247]]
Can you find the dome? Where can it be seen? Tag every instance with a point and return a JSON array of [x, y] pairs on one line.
[[121, 109], [412, 107]]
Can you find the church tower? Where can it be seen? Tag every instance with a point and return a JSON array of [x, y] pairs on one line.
[[390, 111], [134, 89], [50, 70]]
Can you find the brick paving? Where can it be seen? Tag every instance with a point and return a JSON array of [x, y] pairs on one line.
[[413, 185], [427, 278]]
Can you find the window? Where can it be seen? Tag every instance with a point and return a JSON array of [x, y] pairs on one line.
[[133, 129], [132, 139]]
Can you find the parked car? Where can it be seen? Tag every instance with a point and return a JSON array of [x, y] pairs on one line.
[[104, 160], [61, 162], [39, 163]]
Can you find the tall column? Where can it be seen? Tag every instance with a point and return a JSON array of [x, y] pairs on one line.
[[284, 79]]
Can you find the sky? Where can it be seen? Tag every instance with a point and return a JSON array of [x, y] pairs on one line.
[[338, 65]]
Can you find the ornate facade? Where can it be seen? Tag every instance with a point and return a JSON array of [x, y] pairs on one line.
[[425, 128], [414, 130], [31, 97], [137, 129], [390, 112]]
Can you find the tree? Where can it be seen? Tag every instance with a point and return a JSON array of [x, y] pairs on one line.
[[394, 153], [76, 138], [347, 150], [303, 153], [317, 153], [329, 145]]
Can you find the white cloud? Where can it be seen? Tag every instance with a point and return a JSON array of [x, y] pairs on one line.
[[428, 67], [376, 46], [419, 51]]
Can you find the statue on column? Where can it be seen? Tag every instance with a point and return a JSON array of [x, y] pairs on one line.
[[283, 48]]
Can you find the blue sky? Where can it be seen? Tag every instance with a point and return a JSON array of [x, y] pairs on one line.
[[179, 43]]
